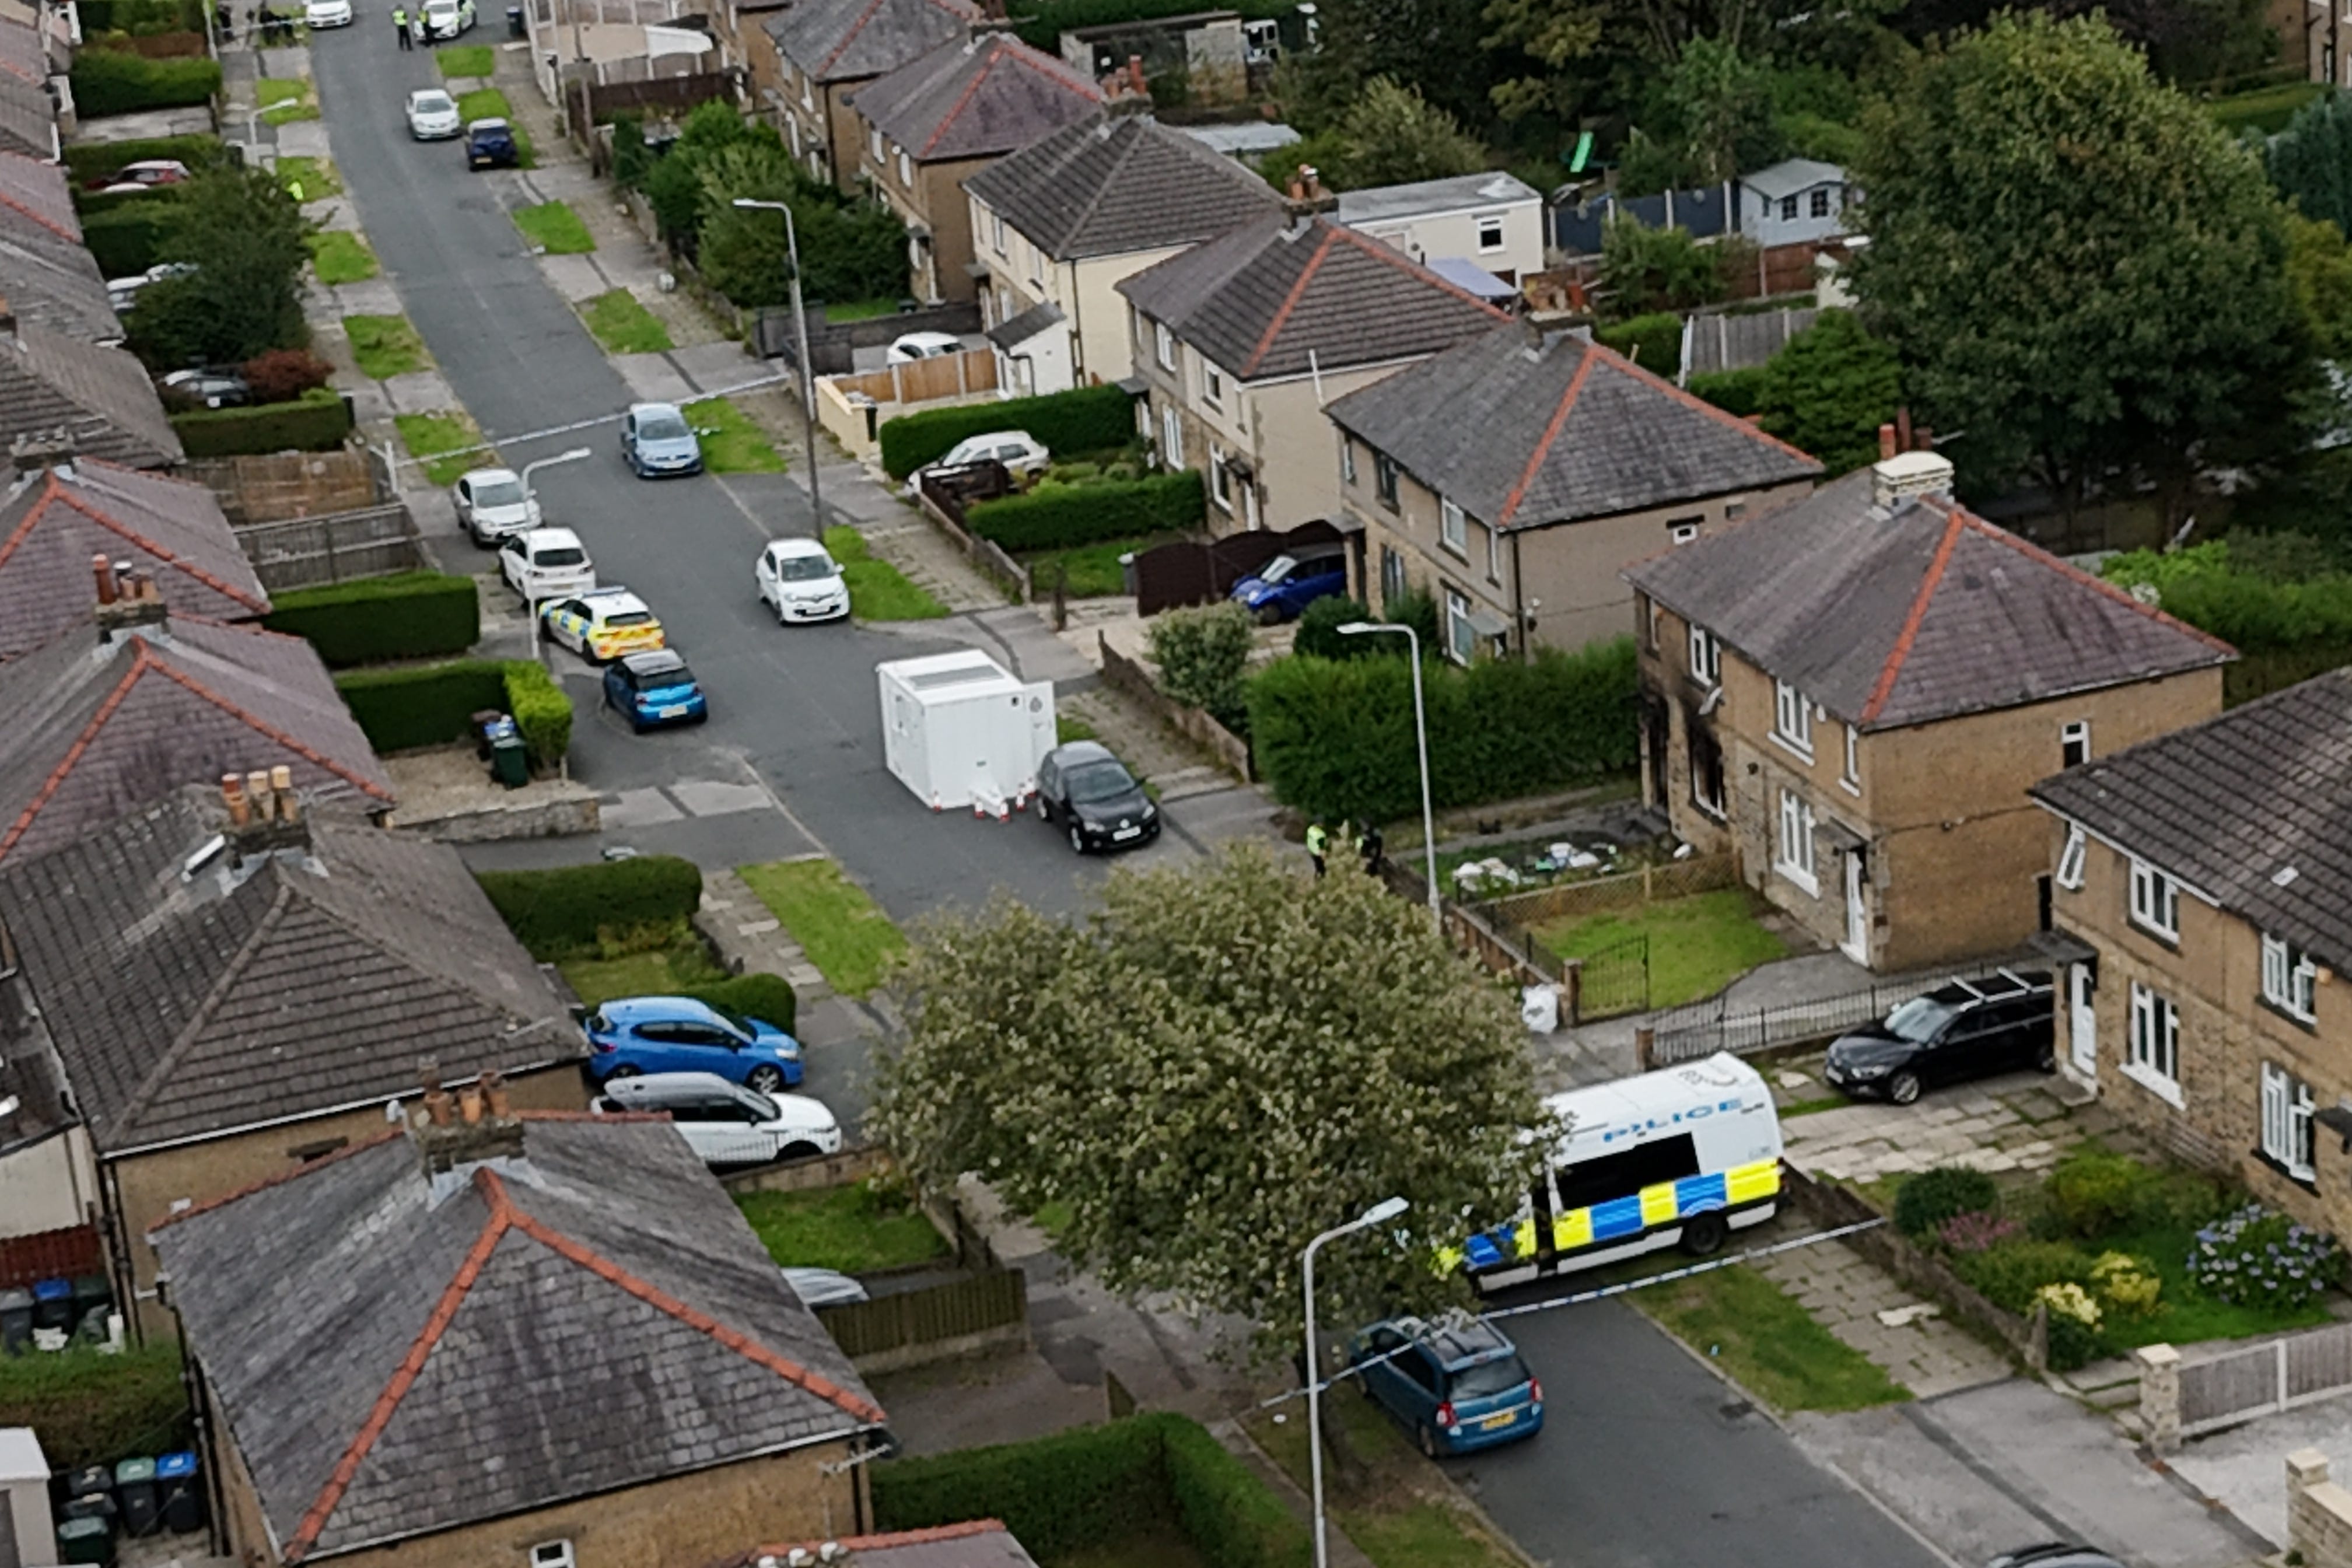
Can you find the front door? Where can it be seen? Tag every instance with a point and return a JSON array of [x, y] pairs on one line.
[[2082, 1023], [1856, 944]]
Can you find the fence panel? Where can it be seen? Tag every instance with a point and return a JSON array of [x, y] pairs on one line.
[[1721, 341], [2230, 1387], [2318, 1364], [948, 1311], [1614, 980], [309, 553], [51, 1255], [1196, 573]]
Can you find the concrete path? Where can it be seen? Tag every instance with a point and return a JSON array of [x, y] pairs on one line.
[[1902, 1334], [2245, 1468]]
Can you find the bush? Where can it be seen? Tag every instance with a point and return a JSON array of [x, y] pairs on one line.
[[1085, 420], [106, 82], [2256, 1257], [282, 375], [1202, 654], [1925, 1202], [768, 997], [1319, 630], [1975, 1232], [2092, 1192], [2071, 1317], [1653, 342], [2008, 1276], [88, 161], [1060, 517], [90, 1409], [1733, 391], [567, 910], [401, 708], [1229, 1513], [540, 710], [2206, 586], [415, 614], [2129, 1285], [318, 421], [88, 205], [128, 240]]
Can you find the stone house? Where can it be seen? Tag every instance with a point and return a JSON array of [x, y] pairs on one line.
[[2201, 883], [1241, 343], [975, 1543], [1855, 693], [100, 398], [1514, 477], [47, 274], [806, 57]]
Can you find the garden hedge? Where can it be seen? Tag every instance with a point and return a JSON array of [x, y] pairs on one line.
[[127, 240], [106, 82], [1653, 342], [767, 998], [1060, 517], [90, 1409], [415, 615], [88, 161], [540, 710], [1336, 739], [560, 912], [88, 205], [1085, 420], [318, 421], [1733, 391], [430, 706]]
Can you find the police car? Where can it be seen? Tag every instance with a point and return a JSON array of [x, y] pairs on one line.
[[603, 625]]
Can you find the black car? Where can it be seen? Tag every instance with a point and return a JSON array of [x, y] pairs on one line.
[[2053, 1554], [1090, 793], [1965, 1029], [490, 144]]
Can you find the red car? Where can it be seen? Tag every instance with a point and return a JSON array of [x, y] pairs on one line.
[[143, 176]]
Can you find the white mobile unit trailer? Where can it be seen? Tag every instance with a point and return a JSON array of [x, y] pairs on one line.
[[956, 729]]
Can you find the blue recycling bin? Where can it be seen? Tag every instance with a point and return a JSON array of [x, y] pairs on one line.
[[179, 1482], [53, 1304]]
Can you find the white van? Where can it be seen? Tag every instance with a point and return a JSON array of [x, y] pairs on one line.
[[1682, 1156]]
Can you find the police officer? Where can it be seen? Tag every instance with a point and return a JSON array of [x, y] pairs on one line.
[[1318, 842], [399, 25]]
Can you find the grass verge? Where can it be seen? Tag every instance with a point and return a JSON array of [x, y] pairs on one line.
[[877, 590], [660, 973], [339, 256], [1812, 1107], [490, 103], [1767, 1343], [386, 346], [1400, 1519], [464, 59], [285, 99], [446, 445], [854, 1229], [734, 444], [312, 179], [861, 309], [555, 229], [1698, 945], [623, 326], [843, 931], [1068, 727], [1094, 569]]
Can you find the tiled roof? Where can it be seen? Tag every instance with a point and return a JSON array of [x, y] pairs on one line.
[[101, 396], [46, 276], [1112, 186], [1922, 611], [28, 118], [977, 97], [974, 1544], [849, 40], [2252, 807], [1260, 300], [41, 192], [284, 986], [1523, 428], [593, 1316], [21, 55], [171, 529], [100, 729]]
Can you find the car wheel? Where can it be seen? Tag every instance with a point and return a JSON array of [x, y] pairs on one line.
[[800, 1151], [1045, 813], [1077, 840], [624, 1070], [2046, 1058], [1703, 1235], [764, 1079], [1902, 1088], [1269, 614], [1425, 1439]]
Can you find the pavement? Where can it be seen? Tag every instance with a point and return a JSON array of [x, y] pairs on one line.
[[1903, 1334], [2244, 1468]]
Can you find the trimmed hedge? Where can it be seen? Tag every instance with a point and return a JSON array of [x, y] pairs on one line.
[[767, 998], [1337, 739], [1085, 420], [560, 912], [318, 421], [88, 161], [1653, 342], [129, 239], [401, 708], [415, 614], [540, 710], [1739, 391], [106, 82], [90, 1409], [90, 204], [1059, 517]]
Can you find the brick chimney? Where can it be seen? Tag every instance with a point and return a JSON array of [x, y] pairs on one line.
[[1125, 91], [127, 599], [454, 1132], [37, 451], [1306, 197], [265, 816]]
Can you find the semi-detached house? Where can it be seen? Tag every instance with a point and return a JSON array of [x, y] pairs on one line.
[[807, 58]]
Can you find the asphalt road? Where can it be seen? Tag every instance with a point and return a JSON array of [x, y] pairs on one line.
[[794, 706]]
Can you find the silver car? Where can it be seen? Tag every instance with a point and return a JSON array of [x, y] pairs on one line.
[[492, 504], [432, 115]]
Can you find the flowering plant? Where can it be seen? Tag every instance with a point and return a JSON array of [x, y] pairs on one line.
[[2067, 1300], [2255, 1258], [1977, 1231], [2129, 1285]]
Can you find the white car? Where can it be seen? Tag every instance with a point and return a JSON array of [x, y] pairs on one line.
[[492, 503], [432, 115], [328, 14], [1019, 451], [123, 292], [543, 563], [442, 20], [799, 579], [922, 345], [726, 1123]]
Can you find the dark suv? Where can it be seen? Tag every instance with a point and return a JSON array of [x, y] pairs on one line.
[[490, 144], [1969, 1028]]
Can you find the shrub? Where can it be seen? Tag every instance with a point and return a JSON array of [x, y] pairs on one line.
[[1928, 1199], [2206, 586], [128, 240], [88, 161], [317, 421], [1653, 342], [401, 708], [542, 711], [1202, 654], [2256, 1257], [282, 375], [415, 615], [1319, 630], [1060, 517], [768, 997], [89, 204], [2009, 1275], [1733, 391], [1975, 1232], [106, 82], [2072, 1319], [1229, 1513], [2129, 1285], [2093, 1190], [1085, 420], [560, 912], [90, 1409]]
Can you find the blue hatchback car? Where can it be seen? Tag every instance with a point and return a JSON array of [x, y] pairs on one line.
[[636, 1035], [1287, 584], [654, 688], [656, 440], [1457, 1386]]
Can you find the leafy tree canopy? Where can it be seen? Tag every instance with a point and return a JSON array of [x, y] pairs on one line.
[[242, 232], [1830, 389], [1644, 269], [2311, 161], [1389, 136]]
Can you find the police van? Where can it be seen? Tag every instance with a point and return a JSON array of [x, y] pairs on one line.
[[1682, 1156]]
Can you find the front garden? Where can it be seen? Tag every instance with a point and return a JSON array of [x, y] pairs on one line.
[[857, 1229], [1699, 944]]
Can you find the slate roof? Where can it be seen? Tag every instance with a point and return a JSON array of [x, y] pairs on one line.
[[2252, 807], [975, 1543], [980, 97], [46, 275], [29, 116], [1524, 428], [1107, 187], [850, 40], [279, 986], [593, 1316], [99, 729], [21, 55], [1923, 613], [41, 192], [1259, 300], [172, 528], [101, 396]]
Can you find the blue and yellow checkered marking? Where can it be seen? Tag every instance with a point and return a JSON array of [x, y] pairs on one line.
[[1621, 1220]]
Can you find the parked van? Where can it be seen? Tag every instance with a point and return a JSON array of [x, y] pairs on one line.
[[1681, 1157]]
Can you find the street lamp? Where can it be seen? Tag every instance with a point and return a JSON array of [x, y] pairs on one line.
[[808, 371], [1379, 1213], [573, 455], [1420, 741]]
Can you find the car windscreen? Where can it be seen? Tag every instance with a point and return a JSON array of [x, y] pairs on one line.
[[1277, 569], [1489, 1378], [805, 568], [434, 103], [564, 555], [661, 680], [1100, 780], [760, 1106], [629, 618], [498, 493], [662, 427], [1919, 1018]]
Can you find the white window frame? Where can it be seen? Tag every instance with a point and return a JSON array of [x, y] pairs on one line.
[[996, 232], [1788, 209], [2286, 1120], [1821, 202], [2073, 743], [1171, 437], [1850, 775], [1792, 720], [906, 169], [1490, 222], [1682, 533], [1706, 656], [1164, 345], [2152, 1043], [552, 1554], [808, 92], [2072, 857], [1385, 487], [2290, 979], [1454, 528], [1794, 856], [1650, 622], [1212, 386], [1347, 459], [1493, 555], [2155, 901], [1461, 636], [1221, 486]]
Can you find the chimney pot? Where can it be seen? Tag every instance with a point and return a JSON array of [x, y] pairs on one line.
[[256, 785], [1909, 474], [1886, 447], [469, 1104], [436, 1106], [233, 796], [494, 1092], [281, 784], [1923, 439], [1903, 427], [103, 570]]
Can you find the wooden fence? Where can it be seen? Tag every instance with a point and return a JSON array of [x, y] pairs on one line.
[[1230, 750], [2292, 1369], [1627, 890], [51, 1255], [279, 487], [926, 380], [309, 553], [1719, 340], [952, 1318]]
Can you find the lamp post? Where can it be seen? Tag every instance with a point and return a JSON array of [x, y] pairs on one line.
[[1421, 743], [808, 371], [573, 455], [1379, 1213]]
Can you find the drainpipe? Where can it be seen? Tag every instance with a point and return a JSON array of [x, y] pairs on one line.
[[1520, 605], [120, 1263], [1078, 330]]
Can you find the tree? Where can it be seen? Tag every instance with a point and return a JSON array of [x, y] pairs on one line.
[[1224, 1061], [1546, 37], [1722, 104], [2189, 42], [1644, 269], [2319, 270], [848, 250], [1393, 136], [1432, 46], [240, 230], [2311, 161], [2077, 267], [1830, 388]]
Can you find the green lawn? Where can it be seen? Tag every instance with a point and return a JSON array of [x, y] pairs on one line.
[[623, 326], [1094, 569], [732, 443], [2265, 108], [1698, 946], [853, 1229], [464, 59], [861, 309], [877, 590], [339, 256], [1767, 1343], [313, 178], [386, 345], [845, 935], [446, 444], [1068, 728], [285, 99], [2184, 1315], [1155, 1550], [490, 103], [657, 974], [1393, 1521], [555, 229]]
